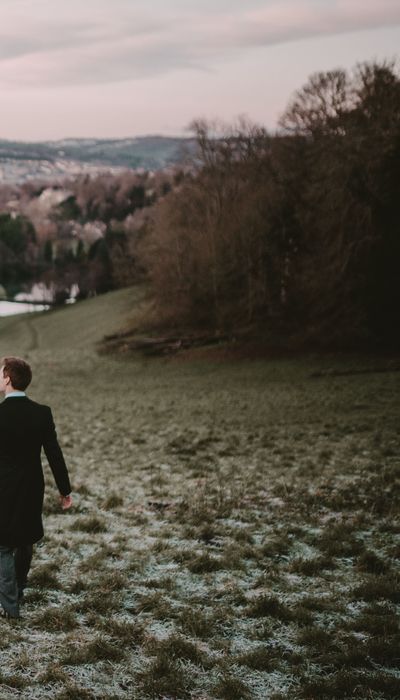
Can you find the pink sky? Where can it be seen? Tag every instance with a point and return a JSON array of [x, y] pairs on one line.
[[124, 68]]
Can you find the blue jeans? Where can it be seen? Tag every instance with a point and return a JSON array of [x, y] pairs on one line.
[[15, 563]]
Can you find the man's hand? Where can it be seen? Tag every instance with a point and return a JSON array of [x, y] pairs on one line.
[[66, 502]]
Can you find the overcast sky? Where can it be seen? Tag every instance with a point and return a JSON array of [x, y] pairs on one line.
[[121, 68]]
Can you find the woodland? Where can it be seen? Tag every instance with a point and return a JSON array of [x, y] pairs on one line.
[[292, 236]]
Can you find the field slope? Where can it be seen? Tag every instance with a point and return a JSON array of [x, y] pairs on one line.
[[235, 530]]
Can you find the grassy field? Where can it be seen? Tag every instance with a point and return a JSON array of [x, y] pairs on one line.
[[235, 529]]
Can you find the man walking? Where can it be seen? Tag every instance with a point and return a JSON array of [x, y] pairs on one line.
[[25, 427]]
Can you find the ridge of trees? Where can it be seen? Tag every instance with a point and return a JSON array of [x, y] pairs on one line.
[[292, 236], [295, 235]]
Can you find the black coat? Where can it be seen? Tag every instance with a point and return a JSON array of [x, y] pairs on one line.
[[26, 427]]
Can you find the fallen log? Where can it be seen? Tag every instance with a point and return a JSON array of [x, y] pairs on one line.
[[165, 345], [170, 345]]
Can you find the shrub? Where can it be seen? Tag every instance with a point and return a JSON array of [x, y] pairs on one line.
[[92, 524]]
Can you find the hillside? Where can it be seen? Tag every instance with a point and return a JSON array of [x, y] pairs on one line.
[[74, 327], [234, 532], [20, 161]]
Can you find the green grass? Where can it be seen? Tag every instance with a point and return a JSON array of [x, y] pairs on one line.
[[54, 620], [230, 687], [235, 525], [89, 525], [97, 649]]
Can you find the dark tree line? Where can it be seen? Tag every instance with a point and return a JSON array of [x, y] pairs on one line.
[[296, 233], [17, 250]]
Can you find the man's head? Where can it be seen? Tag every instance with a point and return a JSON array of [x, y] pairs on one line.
[[15, 374]]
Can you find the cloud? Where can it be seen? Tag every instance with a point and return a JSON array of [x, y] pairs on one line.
[[290, 21], [27, 40], [92, 42]]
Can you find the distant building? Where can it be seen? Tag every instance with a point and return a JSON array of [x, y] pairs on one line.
[[50, 198]]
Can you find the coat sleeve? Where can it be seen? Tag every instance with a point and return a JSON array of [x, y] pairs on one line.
[[55, 456]]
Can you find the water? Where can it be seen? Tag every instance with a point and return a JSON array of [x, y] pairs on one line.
[[10, 308], [38, 292]]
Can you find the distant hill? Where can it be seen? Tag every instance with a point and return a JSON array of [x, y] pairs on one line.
[[20, 161]]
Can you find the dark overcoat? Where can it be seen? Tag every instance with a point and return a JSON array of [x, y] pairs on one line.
[[26, 427]]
